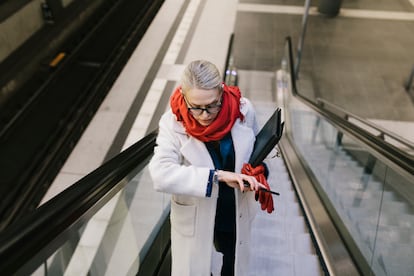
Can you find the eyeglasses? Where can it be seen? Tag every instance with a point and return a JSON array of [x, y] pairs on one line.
[[210, 109]]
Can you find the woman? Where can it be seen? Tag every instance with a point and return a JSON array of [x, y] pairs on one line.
[[203, 142]]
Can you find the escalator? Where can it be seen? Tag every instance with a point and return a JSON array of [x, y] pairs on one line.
[[44, 119], [346, 205]]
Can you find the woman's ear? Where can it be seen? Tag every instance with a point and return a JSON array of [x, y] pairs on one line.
[[221, 87]]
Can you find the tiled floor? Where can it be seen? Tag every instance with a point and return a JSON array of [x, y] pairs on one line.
[[359, 64]]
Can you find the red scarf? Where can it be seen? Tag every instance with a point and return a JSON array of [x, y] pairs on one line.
[[222, 124]]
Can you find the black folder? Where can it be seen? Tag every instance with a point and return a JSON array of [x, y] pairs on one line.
[[267, 138]]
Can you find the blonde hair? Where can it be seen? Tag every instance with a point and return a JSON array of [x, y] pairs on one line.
[[201, 74]]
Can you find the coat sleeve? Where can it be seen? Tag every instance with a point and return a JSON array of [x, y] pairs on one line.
[[167, 168]]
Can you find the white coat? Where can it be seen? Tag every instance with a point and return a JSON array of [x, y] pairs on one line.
[[180, 166]]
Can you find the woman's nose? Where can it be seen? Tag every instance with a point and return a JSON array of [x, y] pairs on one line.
[[205, 114]]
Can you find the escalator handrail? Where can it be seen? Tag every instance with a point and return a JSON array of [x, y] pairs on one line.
[[25, 244], [383, 132], [392, 153]]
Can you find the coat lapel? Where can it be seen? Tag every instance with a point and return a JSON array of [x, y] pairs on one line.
[[196, 153], [243, 139]]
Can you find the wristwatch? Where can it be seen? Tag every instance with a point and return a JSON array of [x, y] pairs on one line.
[[215, 178]]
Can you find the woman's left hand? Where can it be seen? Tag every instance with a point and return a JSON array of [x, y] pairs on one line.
[[238, 180]]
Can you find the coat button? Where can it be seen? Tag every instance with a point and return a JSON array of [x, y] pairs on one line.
[[240, 215]]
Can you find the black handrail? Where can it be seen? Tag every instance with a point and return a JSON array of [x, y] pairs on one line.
[[383, 132], [25, 244], [395, 155]]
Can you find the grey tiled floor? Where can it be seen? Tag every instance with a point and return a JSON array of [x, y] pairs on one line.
[[359, 64]]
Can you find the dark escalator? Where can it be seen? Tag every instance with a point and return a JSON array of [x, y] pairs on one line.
[[40, 125], [354, 188]]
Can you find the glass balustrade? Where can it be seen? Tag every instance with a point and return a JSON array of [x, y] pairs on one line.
[[116, 239], [373, 200]]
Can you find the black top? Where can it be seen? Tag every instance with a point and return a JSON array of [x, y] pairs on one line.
[[222, 153]]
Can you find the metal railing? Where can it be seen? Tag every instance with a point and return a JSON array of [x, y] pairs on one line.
[[369, 126]]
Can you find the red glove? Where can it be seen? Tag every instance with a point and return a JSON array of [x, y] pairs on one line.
[[265, 198]]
